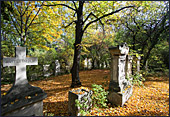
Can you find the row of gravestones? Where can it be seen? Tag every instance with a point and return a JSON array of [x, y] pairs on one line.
[[26, 100], [88, 64]]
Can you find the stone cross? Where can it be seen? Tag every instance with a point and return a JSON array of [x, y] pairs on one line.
[[20, 61]]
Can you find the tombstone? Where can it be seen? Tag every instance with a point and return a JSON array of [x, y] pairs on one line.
[[46, 70], [120, 89], [95, 64], [138, 64], [129, 66], [89, 64], [57, 67], [85, 63], [67, 69], [84, 96], [22, 99]]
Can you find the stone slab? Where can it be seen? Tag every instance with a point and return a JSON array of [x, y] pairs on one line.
[[34, 109], [119, 98], [33, 94]]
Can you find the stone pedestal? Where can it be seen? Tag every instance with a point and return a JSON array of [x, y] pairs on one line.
[[23, 100], [120, 89], [83, 96]]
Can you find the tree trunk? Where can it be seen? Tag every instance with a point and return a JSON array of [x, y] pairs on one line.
[[77, 47], [134, 36], [148, 54]]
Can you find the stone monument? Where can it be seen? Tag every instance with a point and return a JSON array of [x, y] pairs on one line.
[[83, 96], [138, 64], [120, 89], [89, 64], [46, 70], [129, 66], [22, 99], [57, 67]]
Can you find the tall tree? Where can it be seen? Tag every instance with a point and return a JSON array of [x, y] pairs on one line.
[[30, 24], [144, 28], [83, 23]]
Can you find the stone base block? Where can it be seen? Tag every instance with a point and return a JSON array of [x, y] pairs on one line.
[[35, 109], [83, 96], [119, 98]]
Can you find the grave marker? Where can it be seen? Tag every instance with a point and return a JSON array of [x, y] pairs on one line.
[[57, 67], [119, 88], [138, 64], [20, 61], [46, 70], [22, 99]]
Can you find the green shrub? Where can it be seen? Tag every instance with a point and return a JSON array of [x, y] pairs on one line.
[[82, 107], [137, 79], [99, 97]]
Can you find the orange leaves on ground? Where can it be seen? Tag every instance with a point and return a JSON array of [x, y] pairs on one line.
[[151, 100]]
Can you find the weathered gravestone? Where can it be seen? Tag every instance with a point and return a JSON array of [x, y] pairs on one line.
[[138, 64], [22, 99], [85, 63], [57, 67], [84, 98], [129, 67], [89, 64], [46, 70], [120, 89]]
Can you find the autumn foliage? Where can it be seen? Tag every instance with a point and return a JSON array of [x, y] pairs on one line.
[[150, 100]]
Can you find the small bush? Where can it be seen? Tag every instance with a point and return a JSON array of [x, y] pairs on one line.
[[99, 97]]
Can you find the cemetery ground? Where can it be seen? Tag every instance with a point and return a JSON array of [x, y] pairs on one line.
[[150, 100]]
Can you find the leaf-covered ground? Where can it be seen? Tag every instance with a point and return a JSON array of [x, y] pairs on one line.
[[151, 100]]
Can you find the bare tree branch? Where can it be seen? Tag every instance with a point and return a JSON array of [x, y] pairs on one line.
[[105, 16], [70, 24], [129, 27], [87, 18], [14, 17], [14, 24], [16, 7], [94, 16], [62, 5], [34, 17], [75, 5], [100, 23], [26, 8], [136, 23]]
